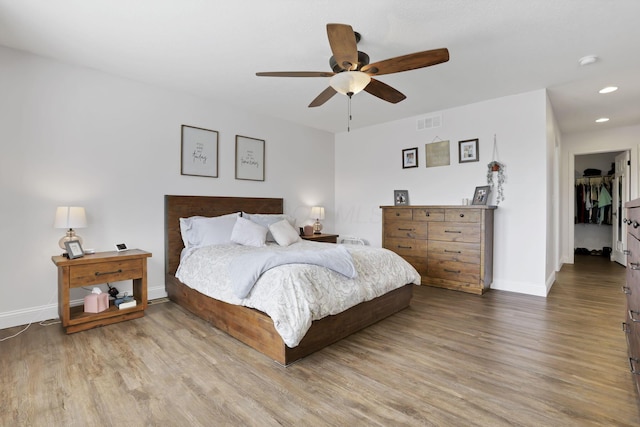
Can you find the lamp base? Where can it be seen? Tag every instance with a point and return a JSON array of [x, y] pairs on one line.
[[317, 227], [71, 235]]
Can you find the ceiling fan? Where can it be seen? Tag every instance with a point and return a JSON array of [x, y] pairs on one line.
[[352, 72]]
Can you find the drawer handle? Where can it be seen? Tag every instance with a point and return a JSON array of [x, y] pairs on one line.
[[635, 224], [626, 290], [397, 213], [453, 252], [404, 247], [452, 271], [627, 252], [633, 360], [108, 272], [452, 231], [461, 215], [426, 214], [634, 265], [405, 229], [626, 221], [633, 319], [625, 327]]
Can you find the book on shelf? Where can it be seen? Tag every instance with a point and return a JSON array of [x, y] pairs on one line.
[[127, 304]]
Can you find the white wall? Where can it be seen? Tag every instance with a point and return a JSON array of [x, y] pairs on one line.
[[617, 139], [74, 136], [368, 169]]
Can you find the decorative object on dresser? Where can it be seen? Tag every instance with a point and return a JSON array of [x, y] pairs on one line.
[[199, 152], [400, 197], [74, 249], [317, 213], [468, 151], [481, 195], [410, 158], [328, 238], [450, 246], [101, 267], [249, 158], [631, 325], [70, 217]]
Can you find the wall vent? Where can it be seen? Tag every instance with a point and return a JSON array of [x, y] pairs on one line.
[[429, 122]]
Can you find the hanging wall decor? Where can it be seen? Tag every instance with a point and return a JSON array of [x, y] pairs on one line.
[[437, 154], [495, 167]]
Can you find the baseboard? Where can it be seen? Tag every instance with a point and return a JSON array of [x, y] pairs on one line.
[[536, 289], [50, 311]]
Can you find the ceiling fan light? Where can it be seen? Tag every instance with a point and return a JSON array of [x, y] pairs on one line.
[[350, 82]]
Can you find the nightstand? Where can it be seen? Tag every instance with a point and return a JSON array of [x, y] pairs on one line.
[[328, 238], [93, 269]]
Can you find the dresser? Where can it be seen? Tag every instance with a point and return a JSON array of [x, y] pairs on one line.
[[631, 325], [450, 246]]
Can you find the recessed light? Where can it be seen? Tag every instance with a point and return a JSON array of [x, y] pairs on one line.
[[602, 120], [608, 89], [586, 60]]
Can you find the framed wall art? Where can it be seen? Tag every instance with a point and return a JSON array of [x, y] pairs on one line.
[[410, 158], [468, 151], [481, 195], [199, 156], [249, 158], [437, 154]]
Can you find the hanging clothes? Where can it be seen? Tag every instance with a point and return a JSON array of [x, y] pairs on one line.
[[593, 200]]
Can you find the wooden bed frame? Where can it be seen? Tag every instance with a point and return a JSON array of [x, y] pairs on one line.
[[248, 325]]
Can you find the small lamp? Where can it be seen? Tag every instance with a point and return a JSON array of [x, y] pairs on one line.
[[70, 217], [317, 212]]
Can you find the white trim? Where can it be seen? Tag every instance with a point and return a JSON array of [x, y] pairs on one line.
[[535, 289]]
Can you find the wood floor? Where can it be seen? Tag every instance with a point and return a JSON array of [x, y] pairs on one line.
[[452, 359]]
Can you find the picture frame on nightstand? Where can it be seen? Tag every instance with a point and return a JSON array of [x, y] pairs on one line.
[[74, 249]]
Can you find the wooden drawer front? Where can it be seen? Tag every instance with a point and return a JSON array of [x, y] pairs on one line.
[[419, 263], [104, 272], [406, 229], [409, 247], [453, 251], [454, 232], [428, 214], [394, 214], [451, 270], [633, 218], [463, 215]]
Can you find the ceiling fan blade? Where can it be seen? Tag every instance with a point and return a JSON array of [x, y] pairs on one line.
[[295, 74], [342, 40], [324, 96], [384, 91], [408, 62]]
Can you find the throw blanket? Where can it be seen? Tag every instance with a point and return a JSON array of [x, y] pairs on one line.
[[246, 269]]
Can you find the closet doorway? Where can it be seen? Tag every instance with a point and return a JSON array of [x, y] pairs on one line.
[[601, 190]]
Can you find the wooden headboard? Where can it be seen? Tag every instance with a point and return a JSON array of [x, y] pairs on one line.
[[176, 207]]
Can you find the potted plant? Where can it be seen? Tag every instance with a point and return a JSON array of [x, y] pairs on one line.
[[498, 168]]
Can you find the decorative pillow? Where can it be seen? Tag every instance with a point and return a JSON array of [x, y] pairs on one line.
[[284, 233], [200, 231], [248, 233], [267, 219]]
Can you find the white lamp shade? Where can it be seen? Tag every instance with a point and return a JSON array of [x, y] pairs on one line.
[[349, 82], [317, 212], [70, 217]]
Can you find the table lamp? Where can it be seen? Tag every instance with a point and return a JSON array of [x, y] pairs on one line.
[[70, 217]]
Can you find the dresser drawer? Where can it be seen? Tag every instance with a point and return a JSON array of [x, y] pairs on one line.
[[419, 263], [454, 232], [428, 214], [454, 251], [105, 272], [463, 215], [451, 270], [633, 215], [406, 229], [397, 214], [409, 247]]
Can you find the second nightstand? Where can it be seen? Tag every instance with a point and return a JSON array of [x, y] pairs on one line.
[[328, 238]]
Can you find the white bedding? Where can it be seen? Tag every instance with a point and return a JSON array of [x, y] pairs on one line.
[[294, 295]]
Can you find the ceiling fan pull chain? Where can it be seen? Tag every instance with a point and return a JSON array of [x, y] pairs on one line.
[[349, 114]]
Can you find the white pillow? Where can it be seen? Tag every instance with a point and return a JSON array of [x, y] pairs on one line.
[[248, 233], [203, 231], [267, 219], [284, 233]]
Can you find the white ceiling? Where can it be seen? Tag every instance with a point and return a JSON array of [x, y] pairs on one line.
[[214, 48]]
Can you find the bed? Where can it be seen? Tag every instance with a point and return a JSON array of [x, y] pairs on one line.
[[250, 326]]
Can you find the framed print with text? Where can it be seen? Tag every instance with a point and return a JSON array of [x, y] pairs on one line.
[[199, 152], [249, 158]]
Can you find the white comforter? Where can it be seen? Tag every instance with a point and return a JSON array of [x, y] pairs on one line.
[[294, 295]]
